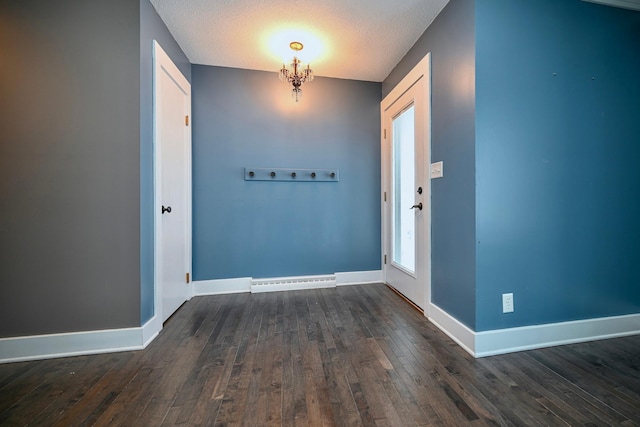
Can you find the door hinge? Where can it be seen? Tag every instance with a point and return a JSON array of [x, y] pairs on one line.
[[385, 196], [186, 120], [385, 134], [187, 277], [385, 259]]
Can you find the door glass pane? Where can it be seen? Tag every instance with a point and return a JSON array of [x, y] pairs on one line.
[[404, 224]]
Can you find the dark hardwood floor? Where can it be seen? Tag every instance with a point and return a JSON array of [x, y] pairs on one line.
[[347, 357]]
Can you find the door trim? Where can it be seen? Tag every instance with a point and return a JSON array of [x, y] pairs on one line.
[[162, 61], [421, 71]]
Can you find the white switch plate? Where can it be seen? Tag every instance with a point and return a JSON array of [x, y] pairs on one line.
[[507, 303], [436, 170]]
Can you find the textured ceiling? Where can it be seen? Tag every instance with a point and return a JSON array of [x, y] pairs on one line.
[[350, 39], [626, 4]]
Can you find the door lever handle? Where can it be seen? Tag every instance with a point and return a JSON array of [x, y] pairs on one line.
[[168, 209], [419, 206]]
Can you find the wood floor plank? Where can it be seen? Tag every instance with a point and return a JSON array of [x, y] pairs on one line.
[[611, 382], [10, 372], [24, 384], [255, 409], [592, 395], [274, 387], [333, 362], [103, 393], [236, 394], [555, 393], [129, 400], [348, 356], [78, 374]]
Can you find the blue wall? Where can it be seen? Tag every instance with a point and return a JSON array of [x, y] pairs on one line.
[[558, 149], [245, 118], [151, 27], [450, 39]]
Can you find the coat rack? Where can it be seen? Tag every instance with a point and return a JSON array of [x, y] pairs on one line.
[[284, 174]]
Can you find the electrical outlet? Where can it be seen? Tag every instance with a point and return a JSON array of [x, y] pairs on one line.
[[507, 303]]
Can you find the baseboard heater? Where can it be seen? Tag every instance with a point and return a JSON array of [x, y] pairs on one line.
[[293, 283]]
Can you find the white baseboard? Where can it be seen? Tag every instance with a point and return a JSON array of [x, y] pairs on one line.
[[359, 277], [150, 330], [455, 329], [510, 340], [221, 286], [38, 347]]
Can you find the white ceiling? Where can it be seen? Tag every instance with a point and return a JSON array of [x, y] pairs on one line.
[[349, 39], [626, 4]]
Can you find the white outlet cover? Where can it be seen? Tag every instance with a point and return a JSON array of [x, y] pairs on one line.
[[507, 303], [437, 170]]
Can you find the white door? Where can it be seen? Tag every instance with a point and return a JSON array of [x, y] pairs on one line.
[[406, 202], [172, 94]]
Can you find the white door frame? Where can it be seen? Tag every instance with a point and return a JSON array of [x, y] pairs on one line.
[[162, 63], [421, 71]]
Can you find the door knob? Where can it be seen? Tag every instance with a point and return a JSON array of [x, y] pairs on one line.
[[419, 206], [168, 209]]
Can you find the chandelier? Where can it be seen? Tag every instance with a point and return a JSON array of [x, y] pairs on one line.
[[296, 75]]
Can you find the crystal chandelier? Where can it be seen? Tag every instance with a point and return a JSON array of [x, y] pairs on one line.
[[296, 75]]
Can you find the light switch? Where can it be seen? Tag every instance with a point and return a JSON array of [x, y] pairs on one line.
[[436, 170]]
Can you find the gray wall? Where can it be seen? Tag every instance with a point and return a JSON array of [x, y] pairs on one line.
[[151, 27], [451, 41], [69, 166]]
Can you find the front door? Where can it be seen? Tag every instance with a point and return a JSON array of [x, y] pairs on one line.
[[406, 211]]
